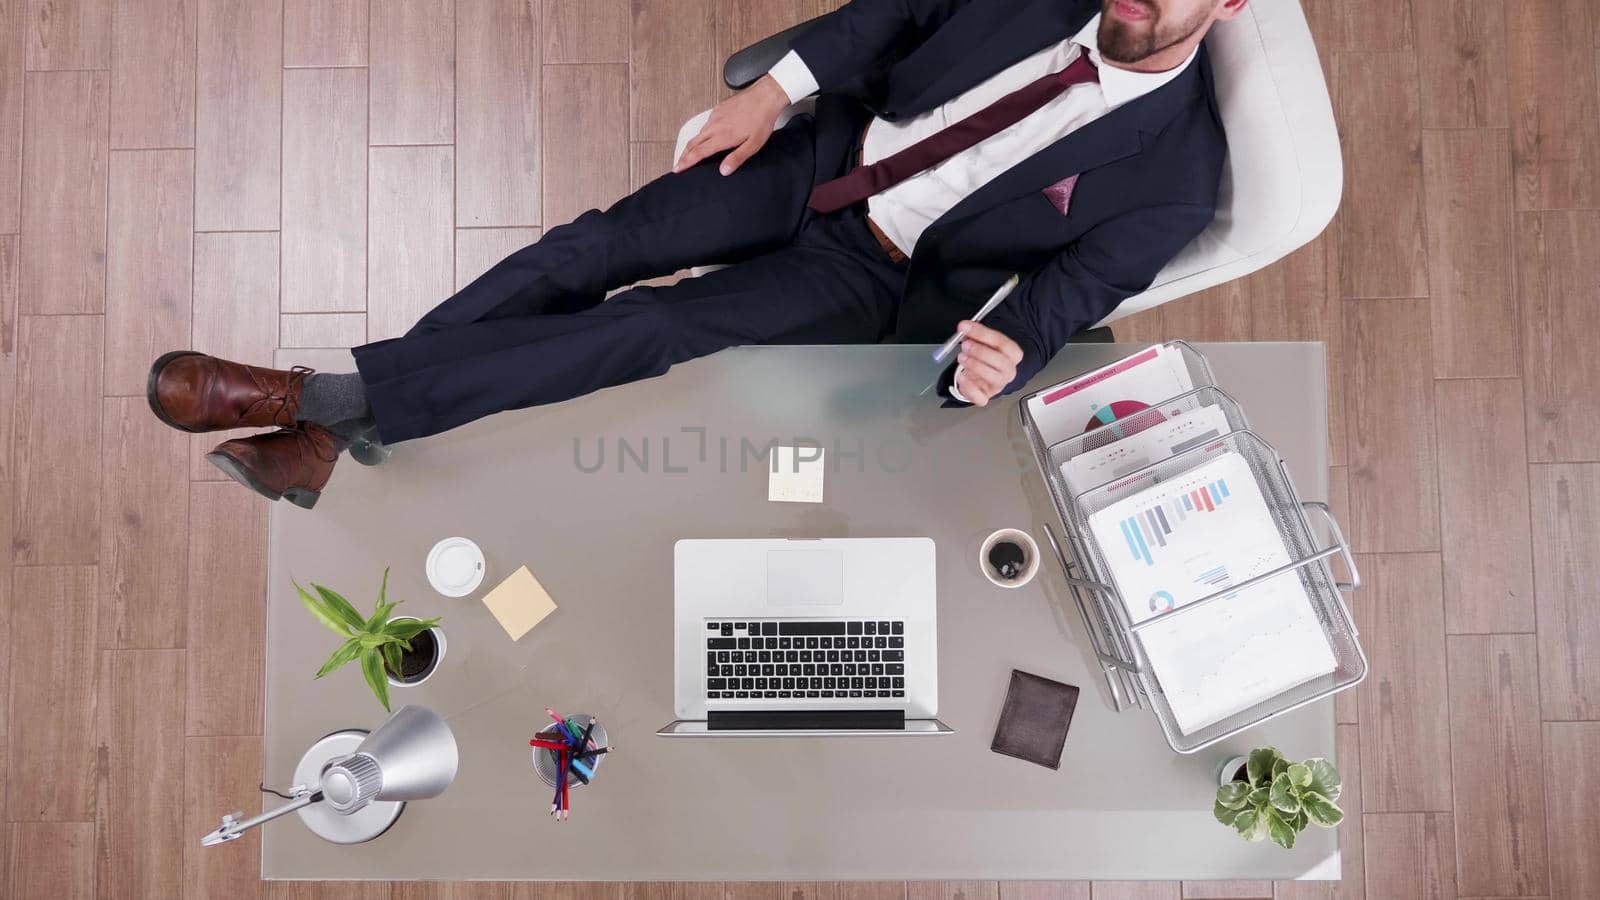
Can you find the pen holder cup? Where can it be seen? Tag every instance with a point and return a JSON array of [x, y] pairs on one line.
[[545, 762]]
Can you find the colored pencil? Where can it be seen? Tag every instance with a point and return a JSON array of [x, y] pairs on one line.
[[571, 735], [548, 745]]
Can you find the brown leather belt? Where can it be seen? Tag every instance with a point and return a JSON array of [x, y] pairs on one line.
[[893, 252]]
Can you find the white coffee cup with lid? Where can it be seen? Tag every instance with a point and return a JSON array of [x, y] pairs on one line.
[[455, 567]]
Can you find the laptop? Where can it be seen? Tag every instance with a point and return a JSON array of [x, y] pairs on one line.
[[805, 637]]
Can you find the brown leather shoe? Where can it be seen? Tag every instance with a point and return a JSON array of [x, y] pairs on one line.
[[194, 392], [290, 463]]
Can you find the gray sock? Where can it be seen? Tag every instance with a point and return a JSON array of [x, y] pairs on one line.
[[328, 399], [349, 429]]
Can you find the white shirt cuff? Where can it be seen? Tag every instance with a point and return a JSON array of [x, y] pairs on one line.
[[955, 392], [794, 76]]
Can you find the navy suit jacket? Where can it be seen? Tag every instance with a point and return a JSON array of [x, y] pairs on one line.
[[1149, 170]]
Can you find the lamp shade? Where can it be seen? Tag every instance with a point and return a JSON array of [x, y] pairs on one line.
[[412, 756]]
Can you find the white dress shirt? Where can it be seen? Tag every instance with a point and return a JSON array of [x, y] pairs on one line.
[[905, 210]]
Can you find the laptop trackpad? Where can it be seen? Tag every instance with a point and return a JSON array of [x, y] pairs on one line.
[[805, 577]]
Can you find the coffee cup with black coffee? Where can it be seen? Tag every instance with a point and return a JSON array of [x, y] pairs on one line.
[[1009, 558]]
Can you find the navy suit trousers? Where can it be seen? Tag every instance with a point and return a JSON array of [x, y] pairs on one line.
[[537, 328]]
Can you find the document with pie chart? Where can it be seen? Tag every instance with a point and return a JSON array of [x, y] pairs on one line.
[[1110, 393], [1175, 542]]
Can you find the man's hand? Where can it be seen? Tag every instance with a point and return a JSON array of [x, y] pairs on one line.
[[741, 123], [988, 362]]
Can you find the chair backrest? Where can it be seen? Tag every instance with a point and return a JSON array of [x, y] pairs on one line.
[[1283, 176]]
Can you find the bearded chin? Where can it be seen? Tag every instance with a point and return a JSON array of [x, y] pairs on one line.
[[1121, 44]]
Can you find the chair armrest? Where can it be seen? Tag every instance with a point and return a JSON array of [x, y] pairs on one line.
[[743, 68]]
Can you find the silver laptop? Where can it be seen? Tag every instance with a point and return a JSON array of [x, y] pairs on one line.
[[805, 637]]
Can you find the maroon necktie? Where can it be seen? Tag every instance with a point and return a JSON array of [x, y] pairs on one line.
[[863, 181]]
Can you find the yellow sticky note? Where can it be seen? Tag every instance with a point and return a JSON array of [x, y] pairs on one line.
[[519, 603]]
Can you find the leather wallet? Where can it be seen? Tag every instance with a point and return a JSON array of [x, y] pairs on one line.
[[1033, 723]]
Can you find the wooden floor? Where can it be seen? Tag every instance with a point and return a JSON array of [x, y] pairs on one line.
[[235, 175]]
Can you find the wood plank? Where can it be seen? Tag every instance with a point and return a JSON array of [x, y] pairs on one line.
[[324, 33], [843, 890], [740, 24], [1411, 855], [10, 301], [1044, 890], [8, 394], [647, 161], [1566, 565], [153, 79], [675, 67], [1293, 300], [1570, 749], [1557, 286], [328, 890], [1381, 251], [1227, 890], [1394, 487], [235, 313], [1220, 313], [64, 209], [1467, 175], [238, 115], [586, 139], [149, 264], [586, 31], [51, 767], [1461, 53], [1405, 721], [322, 330], [141, 840], [478, 249], [461, 890], [1352, 864], [56, 446], [1360, 24], [324, 190], [52, 859], [497, 112], [226, 611], [1137, 890], [1555, 106], [1488, 553], [410, 257], [144, 530], [69, 34], [1496, 764], [682, 890], [952, 890], [412, 65], [220, 776], [12, 55]]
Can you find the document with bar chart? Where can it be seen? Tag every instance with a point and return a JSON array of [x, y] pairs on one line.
[[1171, 544]]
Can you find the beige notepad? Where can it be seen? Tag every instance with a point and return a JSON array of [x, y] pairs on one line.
[[519, 603], [794, 478]]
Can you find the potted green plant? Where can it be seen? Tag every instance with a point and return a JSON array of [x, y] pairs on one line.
[[1268, 796], [386, 647]]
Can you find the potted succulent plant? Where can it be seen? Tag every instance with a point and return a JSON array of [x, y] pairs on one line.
[[1268, 796], [401, 648]]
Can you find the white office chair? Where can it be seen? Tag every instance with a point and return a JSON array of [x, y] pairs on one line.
[[1283, 175]]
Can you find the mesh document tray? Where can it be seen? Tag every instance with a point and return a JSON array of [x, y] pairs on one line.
[[1115, 638]]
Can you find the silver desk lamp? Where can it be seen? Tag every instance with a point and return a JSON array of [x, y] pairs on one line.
[[351, 785]]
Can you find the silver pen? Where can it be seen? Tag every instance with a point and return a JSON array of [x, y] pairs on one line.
[[949, 347]]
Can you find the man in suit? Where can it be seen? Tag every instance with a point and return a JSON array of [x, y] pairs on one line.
[[955, 142]]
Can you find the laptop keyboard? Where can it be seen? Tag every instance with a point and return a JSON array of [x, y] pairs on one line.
[[804, 659]]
